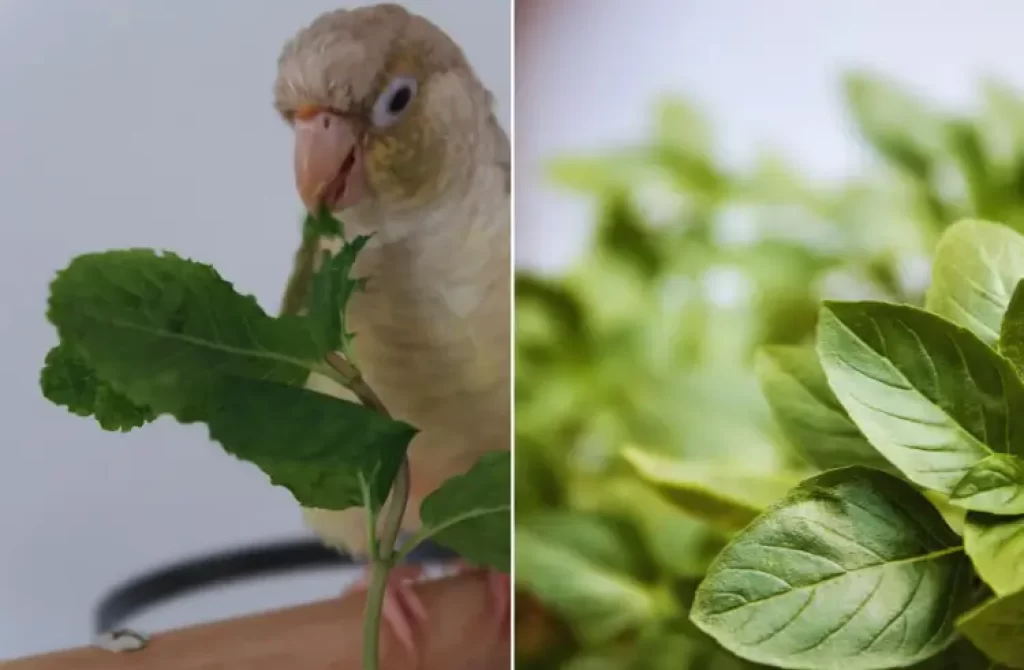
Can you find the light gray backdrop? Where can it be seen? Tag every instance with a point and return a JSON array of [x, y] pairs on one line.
[[126, 123], [766, 72]]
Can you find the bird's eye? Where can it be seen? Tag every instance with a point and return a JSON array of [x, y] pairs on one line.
[[393, 101]]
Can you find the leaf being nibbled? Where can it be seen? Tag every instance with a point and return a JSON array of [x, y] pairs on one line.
[[172, 336], [471, 513], [332, 288], [809, 413], [928, 394], [854, 569], [718, 493], [321, 224], [996, 547], [68, 381], [164, 330], [996, 627], [314, 445], [976, 268]]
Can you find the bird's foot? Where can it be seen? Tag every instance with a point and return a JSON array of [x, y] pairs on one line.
[[499, 585], [403, 611]]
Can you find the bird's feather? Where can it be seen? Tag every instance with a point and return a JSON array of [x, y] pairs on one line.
[[433, 324]]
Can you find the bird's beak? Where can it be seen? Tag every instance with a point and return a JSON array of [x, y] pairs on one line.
[[328, 161]]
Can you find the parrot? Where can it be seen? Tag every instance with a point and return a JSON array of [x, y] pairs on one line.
[[397, 137]]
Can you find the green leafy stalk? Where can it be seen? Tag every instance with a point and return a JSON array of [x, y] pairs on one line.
[[145, 334], [382, 550]]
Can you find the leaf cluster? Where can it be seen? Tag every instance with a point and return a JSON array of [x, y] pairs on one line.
[[144, 335], [689, 327]]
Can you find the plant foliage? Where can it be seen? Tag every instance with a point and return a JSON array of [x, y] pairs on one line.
[[730, 325]]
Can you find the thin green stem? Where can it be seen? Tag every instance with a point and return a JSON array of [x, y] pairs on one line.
[[429, 532], [372, 614], [383, 554], [382, 551]]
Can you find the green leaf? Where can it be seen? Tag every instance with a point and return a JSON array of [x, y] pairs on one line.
[[316, 446], [683, 127], [599, 603], [967, 148], [899, 126], [322, 224], [853, 569], [601, 174], [471, 513], [718, 493], [333, 287], [997, 628], [929, 395], [598, 538], [976, 268], [995, 484], [680, 544], [1011, 333], [955, 516], [68, 381], [996, 546], [809, 413], [163, 330]]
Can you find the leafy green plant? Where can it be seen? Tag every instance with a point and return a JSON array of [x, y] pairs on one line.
[[146, 334], [673, 364], [855, 567]]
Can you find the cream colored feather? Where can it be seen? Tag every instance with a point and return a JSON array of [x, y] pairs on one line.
[[433, 326]]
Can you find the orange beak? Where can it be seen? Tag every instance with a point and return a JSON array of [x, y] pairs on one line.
[[328, 161]]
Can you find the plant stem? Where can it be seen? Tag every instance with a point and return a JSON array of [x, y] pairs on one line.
[[372, 614], [380, 566], [382, 553], [355, 382]]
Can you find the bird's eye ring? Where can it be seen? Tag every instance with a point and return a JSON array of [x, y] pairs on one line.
[[393, 101]]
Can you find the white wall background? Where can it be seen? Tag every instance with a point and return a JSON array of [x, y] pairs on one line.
[[126, 123], [767, 73]]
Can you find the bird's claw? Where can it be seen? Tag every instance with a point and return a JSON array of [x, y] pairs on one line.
[[404, 613]]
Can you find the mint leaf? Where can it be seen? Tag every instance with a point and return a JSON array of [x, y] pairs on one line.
[[853, 569], [316, 446], [471, 513], [995, 484], [163, 329], [996, 545], [333, 287], [928, 394], [809, 413], [996, 628], [719, 493], [68, 381], [976, 268]]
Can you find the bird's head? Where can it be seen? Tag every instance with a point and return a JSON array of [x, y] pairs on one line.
[[385, 109]]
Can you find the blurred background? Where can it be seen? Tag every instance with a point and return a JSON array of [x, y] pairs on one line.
[[147, 124], [693, 177]]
